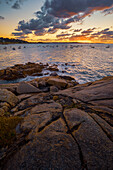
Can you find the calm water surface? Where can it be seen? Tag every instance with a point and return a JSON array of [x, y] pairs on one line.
[[85, 63]]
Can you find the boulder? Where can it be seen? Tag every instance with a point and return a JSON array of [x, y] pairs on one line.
[[25, 88], [9, 97], [57, 82], [52, 148], [53, 89], [54, 74], [53, 68]]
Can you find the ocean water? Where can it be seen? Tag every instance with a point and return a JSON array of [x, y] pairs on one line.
[[85, 62]]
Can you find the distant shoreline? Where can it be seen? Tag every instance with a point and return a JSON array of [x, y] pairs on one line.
[[7, 41]]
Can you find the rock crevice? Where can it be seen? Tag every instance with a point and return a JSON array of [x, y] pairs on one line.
[[62, 127]]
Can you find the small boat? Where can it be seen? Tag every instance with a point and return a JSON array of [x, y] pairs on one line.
[[108, 46], [19, 47]]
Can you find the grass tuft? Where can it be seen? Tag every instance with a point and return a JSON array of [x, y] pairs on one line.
[[7, 130]]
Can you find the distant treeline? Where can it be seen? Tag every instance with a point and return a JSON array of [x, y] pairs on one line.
[[11, 41]]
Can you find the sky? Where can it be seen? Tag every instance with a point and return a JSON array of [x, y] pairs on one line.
[[89, 21]]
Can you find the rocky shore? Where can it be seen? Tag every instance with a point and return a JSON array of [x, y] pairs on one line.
[[55, 123], [23, 70]]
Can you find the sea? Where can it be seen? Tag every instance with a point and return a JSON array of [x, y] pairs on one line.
[[84, 62]]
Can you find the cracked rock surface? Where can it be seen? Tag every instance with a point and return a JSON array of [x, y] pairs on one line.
[[68, 129]]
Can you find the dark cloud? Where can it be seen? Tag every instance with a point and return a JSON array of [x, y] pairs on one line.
[[59, 14], [88, 31], [67, 8], [16, 5], [27, 31], [77, 30], [106, 30], [89, 35], [17, 34], [22, 34], [63, 35], [108, 11], [40, 32], [1, 18], [43, 24]]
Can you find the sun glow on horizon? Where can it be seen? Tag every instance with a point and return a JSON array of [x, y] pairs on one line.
[[24, 22]]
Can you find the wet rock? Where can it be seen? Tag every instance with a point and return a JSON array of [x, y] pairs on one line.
[[24, 88], [53, 68], [68, 78], [37, 74], [54, 74], [21, 71], [9, 97], [11, 74], [46, 74], [60, 83]]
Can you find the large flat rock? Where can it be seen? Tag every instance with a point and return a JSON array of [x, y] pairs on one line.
[[100, 90], [24, 88], [97, 148], [68, 129], [51, 149]]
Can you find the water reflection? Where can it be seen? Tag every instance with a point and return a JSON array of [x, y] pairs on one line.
[[85, 63]]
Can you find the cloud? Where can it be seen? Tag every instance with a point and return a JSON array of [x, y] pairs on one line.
[[67, 8], [62, 35], [108, 11], [17, 34], [90, 35], [60, 14], [16, 5], [2, 18], [88, 31], [40, 32], [77, 30], [43, 24]]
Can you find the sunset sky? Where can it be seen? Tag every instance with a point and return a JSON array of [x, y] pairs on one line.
[[57, 20]]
